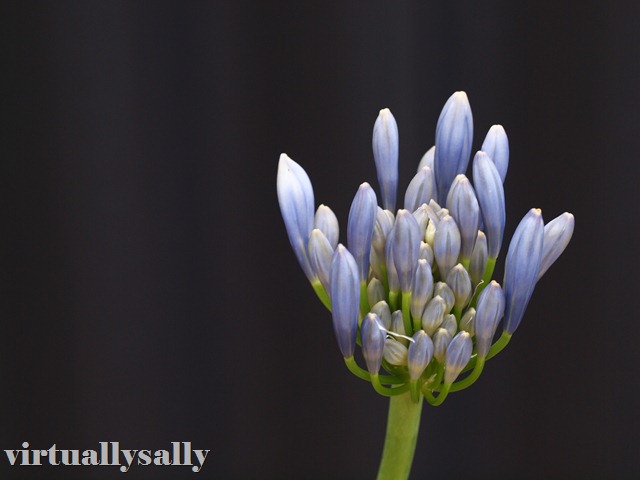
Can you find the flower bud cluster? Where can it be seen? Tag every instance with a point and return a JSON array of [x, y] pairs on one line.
[[414, 286]]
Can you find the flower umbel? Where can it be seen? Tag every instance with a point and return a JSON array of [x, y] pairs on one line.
[[425, 265], [414, 288]]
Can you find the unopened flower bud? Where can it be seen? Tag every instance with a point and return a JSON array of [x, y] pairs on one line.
[[457, 356], [433, 315], [441, 340], [397, 323], [406, 246], [464, 208], [362, 220], [421, 289], [345, 299], [427, 158], [496, 145], [320, 256], [446, 293], [426, 253], [385, 155], [467, 322], [490, 195], [450, 324], [557, 234], [375, 291], [446, 245], [395, 352], [488, 314], [373, 339], [478, 259], [382, 310], [419, 354], [460, 283], [327, 222], [421, 189], [454, 134]]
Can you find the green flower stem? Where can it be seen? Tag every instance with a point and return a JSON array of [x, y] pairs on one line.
[[486, 279], [406, 313], [360, 372], [385, 391], [364, 299], [471, 378], [495, 349], [400, 441], [321, 293], [442, 395], [393, 300]]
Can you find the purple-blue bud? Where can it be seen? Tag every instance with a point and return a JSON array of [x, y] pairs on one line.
[[295, 196], [327, 222], [478, 259], [454, 134], [385, 155], [345, 299], [427, 159], [490, 195], [522, 267], [419, 355], [496, 145], [421, 189], [464, 208], [446, 245], [406, 246], [373, 339], [490, 310], [362, 220], [320, 256], [457, 357], [557, 234]]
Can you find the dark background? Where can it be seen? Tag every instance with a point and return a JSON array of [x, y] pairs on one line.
[[148, 290]]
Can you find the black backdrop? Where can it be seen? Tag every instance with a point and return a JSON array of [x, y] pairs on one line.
[[148, 290]]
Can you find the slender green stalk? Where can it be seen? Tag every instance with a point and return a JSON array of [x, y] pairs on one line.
[[322, 295], [400, 441]]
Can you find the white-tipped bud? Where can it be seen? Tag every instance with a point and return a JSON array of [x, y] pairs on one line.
[[320, 256], [419, 354], [327, 222], [467, 322], [446, 293], [457, 356], [422, 288], [397, 324], [427, 159], [446, 245], [426, 253], [460, 283], [450, 324], [478, 259], [384, 313], [395, 352], [441, 340], [433, 315], [421, 189]]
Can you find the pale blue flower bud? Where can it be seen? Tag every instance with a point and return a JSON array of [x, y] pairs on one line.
[[446, 245], [490, 311], [421, 214], [430, 234], [478, 259], [557, 234], [467, 322], [382, 310], [490, 195], [419, 354], [421, 189], [327, 222], [397, 325], [345, 299], [445, 291], [454, 134], [421, 288], [457, 357], [373, 339], [426, 253], [464, 208], [385, 155], [295, 196], [450, 324], [441, 340], [427, 159], [496, 145], [395, 352], [406, 246], [460, 283], [433, 315], [320, 256], [392, 274], [522, 267], [375, 291], [362, 220], [384, 223]]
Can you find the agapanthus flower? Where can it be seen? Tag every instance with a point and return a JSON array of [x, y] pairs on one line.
[[414, 286]]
